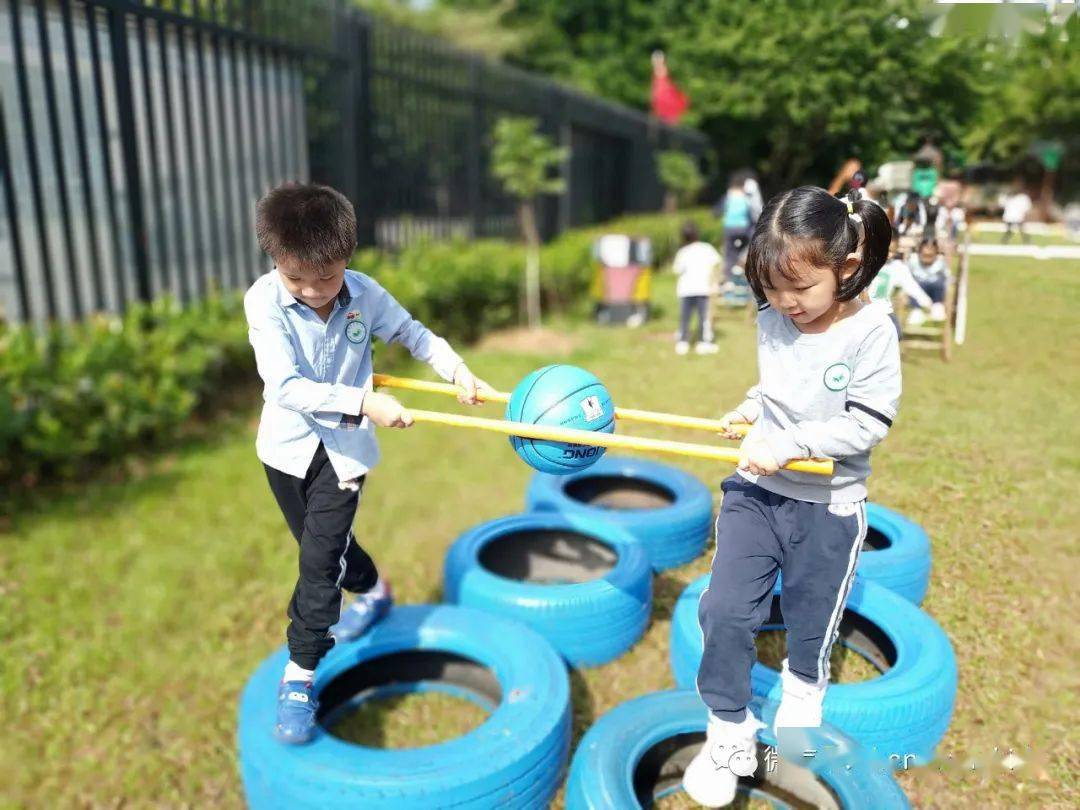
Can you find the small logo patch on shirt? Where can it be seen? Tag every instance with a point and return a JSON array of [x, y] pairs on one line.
[[355, 330], [837, 377]]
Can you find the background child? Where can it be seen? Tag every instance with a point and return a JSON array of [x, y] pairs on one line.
[[310, 323], [931, 271], [896, 275], [1016, 206], [695, 264], [829, 387], [738, 215]]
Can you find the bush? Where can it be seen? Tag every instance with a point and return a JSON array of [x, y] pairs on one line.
[[82, 393], [86, 392], [465, 289]]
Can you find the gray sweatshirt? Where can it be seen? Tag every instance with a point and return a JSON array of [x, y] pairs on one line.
[[829, 395]]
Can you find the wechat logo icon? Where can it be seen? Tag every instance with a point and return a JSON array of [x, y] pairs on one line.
[[837, 377]]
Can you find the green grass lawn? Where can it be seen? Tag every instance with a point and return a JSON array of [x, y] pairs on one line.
[[133, 611], [994, 238]]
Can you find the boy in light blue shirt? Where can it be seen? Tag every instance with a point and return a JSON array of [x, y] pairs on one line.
[[311, 322]]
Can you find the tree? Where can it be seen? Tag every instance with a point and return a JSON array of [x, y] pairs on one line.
[[680, 176], [523, 160], [1037, 101], [471, 29], [791, 87]]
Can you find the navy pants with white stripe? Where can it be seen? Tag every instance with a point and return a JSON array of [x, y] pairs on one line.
[[320, 516], [758, 535]]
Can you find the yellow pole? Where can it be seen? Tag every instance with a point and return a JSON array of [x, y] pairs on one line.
[[587, 437], [626, 414]]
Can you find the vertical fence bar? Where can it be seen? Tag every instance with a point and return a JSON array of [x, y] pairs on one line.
[[362, 147], [475, 145], [33, 166], [13, 220], [58, 157], [254, 128], [283, 115], [203, 93], [84, 161], [232, 271], [192, 163], [170, 191], [106, 152], [141, 26], [270, 127], [241, 185], [118, 46]]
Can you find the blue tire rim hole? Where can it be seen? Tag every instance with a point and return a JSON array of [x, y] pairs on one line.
[[876, 540], [408, 672], [548, 556], [618, 492], [857, 633]]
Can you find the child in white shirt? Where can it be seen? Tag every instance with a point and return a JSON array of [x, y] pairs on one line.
[[695, 264]]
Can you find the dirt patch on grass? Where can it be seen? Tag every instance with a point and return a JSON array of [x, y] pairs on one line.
[[529, 341]]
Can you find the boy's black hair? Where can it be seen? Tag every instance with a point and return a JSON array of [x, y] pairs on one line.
[[689, 233], [809, 226], [307, 223], [931, 242]]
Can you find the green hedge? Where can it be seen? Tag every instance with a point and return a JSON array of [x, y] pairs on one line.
[[82, 393], [86, 392], [464, 289]]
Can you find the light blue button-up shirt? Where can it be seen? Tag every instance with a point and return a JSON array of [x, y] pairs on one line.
[[316, 373]]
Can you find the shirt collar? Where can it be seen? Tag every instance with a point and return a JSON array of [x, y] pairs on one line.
[[286, 299]]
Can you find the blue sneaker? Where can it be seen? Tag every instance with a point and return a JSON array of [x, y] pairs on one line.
[[296, 709], [367, 609]]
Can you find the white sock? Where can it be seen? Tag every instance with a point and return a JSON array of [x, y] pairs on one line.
[[378, 590], [295, 672]]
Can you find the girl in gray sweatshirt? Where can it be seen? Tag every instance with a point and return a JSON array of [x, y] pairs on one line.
[[829, 387]]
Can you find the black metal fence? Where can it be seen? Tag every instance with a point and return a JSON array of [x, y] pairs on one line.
[[135, 139]]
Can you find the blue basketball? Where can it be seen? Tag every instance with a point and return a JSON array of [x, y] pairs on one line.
[[560, 396]]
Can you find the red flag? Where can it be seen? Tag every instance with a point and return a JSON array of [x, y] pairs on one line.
[[668, 102]]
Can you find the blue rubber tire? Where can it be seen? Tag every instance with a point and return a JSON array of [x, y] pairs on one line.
[[602, 774], [516, 758], [904, 712], [903, 566], [589, 623], [673, 535]]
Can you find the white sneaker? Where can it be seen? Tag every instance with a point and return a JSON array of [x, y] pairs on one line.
[[682, 347], [802, 702], [937, 312], [706, 347], [730, 751], [916, 317]]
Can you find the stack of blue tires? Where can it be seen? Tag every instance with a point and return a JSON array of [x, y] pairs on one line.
[[568, 583]]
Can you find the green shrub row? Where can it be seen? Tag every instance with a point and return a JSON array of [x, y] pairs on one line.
[[90, 391], [77, 394]]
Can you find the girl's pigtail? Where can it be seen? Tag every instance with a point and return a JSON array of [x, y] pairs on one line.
[[874, 235]]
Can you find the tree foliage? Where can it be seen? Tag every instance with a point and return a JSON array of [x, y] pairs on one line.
[[524, 161], [792, 87], [1037, 98], [680, 175]]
